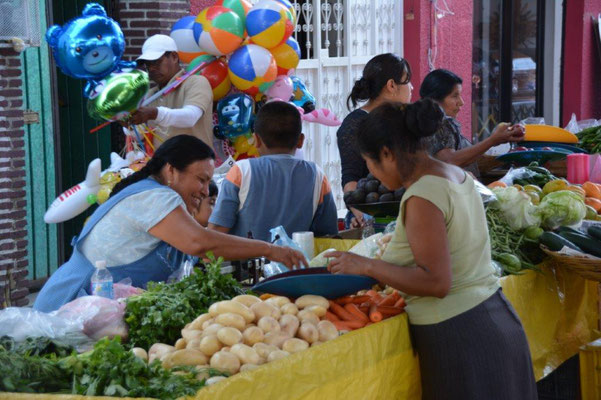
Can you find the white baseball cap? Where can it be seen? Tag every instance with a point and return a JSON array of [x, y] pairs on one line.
[[155, 46]]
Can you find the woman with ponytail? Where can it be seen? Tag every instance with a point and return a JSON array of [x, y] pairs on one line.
[[386, 77], [470, 341], [146, 230]]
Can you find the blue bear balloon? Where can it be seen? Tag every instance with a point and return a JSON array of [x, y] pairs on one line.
[[235, 116], [88, 47]]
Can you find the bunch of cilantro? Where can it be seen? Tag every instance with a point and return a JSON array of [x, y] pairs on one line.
[[159, 314], [112, 370], [108, 370]]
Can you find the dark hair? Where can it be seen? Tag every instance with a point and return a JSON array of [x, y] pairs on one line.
[[400, 127], [377, 72], [438, 84], [279, 125], [179, 151], [213, 189]]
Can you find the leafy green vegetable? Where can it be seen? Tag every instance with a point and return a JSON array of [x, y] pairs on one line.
[[561, 208], [505, 240], [111, 370], [36, 346], [517, 207], [29, 374], [159, 314], [590, 139]]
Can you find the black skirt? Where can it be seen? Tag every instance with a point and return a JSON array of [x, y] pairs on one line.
[[480, 354]]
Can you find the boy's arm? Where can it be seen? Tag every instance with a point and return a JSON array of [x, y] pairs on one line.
[[225, 213], [325, 220]]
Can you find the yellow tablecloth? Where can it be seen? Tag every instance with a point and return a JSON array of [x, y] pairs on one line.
[[558, 310]]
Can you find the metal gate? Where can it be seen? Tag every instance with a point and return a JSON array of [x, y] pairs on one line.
[[337, 38]]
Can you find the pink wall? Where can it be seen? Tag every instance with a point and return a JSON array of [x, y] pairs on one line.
[[582, 69], [454, 43]]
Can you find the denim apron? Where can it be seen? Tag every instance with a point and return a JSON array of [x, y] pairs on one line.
[[72, 279]]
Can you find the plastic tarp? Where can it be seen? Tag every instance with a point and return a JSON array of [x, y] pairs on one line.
[[559, 312], [558, 309]]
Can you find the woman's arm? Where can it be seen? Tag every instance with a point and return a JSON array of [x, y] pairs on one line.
[[503, 133], [181, 231], [427, 236]]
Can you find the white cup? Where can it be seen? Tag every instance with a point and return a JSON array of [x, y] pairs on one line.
[[305, 242]]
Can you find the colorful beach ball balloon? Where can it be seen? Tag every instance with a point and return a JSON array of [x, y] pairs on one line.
[[269, 23], [252, 69], [287, 55], [183, 34], [240, 7], [218, 30], [290, 8], [216, 73]]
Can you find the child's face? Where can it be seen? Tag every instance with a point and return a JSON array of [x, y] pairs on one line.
[[205, 210]]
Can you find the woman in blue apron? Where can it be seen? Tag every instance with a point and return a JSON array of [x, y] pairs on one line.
[[146, 230]]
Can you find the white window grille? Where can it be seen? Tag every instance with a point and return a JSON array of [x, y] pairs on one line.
[[337, 38], [19, 19]]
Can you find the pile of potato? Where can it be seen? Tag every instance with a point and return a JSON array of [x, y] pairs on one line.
[[245, 332]]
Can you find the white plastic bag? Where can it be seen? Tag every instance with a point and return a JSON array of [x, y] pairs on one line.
[[79, 323], [102, 316]]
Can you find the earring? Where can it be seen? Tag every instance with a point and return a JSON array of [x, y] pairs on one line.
[[169, 183]]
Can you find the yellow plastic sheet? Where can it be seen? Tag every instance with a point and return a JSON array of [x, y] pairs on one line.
[[376, 362], [322, 244], [558, 310]]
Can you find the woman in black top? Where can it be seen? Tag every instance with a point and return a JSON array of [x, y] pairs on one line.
[[449, 145], [386, 77]]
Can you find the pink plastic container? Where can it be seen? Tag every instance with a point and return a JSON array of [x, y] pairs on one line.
[[578, 168]]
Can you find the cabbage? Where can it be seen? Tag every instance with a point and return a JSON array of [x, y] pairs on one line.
[[561, 208], [517, 208]]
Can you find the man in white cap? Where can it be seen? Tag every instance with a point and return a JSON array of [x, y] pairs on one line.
[[186, 110]]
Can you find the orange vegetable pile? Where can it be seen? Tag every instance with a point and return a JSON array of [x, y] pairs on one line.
[[353, 312]]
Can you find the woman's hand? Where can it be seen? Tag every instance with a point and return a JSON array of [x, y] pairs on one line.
[[347, 263], [505, 132], [357, 221], [289, 257]]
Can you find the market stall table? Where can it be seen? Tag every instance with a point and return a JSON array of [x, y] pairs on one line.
[[559, 311]]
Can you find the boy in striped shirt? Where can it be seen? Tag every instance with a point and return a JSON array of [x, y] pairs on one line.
[[275, 189]]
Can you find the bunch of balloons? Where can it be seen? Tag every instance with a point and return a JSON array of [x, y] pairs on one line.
[[254, 44]]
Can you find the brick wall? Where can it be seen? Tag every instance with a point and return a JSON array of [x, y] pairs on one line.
[[141, 19], [13, 226], [197, 5]]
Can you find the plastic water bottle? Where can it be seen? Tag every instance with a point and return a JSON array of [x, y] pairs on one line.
[[102, 281]]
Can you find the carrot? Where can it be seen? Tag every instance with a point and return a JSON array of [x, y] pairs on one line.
[[400, 304], [364, 308], [356, 312], [360, 299], [375, 296], [374, 314], [348, 325], [266, 296], [390, 299], [341, 312], [331, 317], [388, 311], [344, 300]]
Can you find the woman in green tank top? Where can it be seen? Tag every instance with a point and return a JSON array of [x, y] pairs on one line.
[[470, 341]]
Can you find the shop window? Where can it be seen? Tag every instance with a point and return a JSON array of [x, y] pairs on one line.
[[508, 63]]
